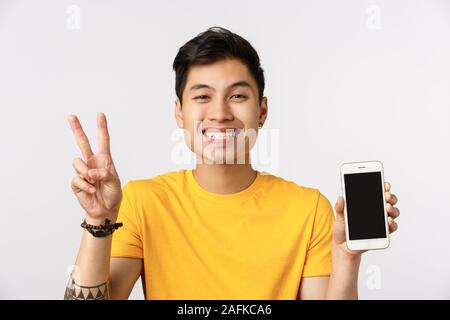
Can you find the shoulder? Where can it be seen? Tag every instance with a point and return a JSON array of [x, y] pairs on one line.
[[278, 184], [159, 184], [307, 195]]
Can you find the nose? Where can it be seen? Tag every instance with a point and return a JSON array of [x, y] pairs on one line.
[[219, 112]]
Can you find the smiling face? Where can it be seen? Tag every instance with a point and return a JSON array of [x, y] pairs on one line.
[[220, 111]]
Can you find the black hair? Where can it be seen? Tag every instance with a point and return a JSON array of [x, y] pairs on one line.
[[213, 45]]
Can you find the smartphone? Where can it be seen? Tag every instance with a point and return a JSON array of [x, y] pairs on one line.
[[365, 206]]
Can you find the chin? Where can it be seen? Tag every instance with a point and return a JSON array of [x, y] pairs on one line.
[[220, 158]]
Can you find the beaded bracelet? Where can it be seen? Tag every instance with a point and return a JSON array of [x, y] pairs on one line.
[[102, 230]]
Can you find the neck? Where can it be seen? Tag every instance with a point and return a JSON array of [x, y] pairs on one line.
[[224, 178]]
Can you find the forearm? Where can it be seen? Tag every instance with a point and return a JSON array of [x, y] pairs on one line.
[[91, 270], [93, 259], [343, 282]]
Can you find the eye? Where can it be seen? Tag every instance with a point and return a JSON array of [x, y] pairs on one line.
[[238, 96], [201, 97]]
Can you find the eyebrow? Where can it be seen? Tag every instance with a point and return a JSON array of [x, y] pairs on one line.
[[241, 83]]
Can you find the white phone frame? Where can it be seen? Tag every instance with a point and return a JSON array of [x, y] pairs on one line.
[[363, 167]]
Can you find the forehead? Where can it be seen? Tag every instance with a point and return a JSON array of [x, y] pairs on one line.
[[219, 74]]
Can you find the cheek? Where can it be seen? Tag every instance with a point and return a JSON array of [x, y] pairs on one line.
[[192, 118], [247, 115], [192, 115]]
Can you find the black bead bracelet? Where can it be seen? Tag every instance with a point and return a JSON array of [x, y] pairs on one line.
[[102, 230]]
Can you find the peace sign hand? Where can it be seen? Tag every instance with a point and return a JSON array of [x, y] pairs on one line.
[[97, 184]]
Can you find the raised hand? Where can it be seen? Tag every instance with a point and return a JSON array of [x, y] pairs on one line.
[[339, 226], [96, 184]]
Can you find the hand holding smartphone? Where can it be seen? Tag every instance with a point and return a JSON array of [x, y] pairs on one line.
[[365, 205]]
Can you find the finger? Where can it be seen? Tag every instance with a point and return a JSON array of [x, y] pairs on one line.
[[82, 168], [393, 226], [387, 186], [339, 207], [103, 134], [391, 198], [392, 211], [80, 137], [101, 174], [79, 185]]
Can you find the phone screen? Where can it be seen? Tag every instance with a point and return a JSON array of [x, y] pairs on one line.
[[364, 201]]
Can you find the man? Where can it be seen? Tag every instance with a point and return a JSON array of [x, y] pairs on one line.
[[223, 230]]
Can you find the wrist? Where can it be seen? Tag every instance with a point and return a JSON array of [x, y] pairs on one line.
[[100, 221], [346, 256], [102, 230]]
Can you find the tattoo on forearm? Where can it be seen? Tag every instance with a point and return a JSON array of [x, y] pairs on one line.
[[75, 291]]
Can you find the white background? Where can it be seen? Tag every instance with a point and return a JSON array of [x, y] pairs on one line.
[[346, 81]]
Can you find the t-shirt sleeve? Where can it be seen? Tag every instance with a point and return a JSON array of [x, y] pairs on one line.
[[127, 240], [318, 257]]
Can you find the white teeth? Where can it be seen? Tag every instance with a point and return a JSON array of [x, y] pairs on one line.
[[219, 134]]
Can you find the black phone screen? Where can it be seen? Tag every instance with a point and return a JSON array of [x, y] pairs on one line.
[[364, 201]]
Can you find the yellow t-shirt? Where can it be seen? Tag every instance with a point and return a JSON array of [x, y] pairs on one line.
[[254, 244]]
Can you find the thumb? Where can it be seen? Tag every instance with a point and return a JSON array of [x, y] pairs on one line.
[[339, 207]]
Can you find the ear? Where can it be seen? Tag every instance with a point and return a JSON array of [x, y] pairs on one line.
[[179, 114], [263, 110]]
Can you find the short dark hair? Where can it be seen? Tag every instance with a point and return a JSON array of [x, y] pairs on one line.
[[213, 45]]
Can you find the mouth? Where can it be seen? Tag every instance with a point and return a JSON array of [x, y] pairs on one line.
[[220, 135]]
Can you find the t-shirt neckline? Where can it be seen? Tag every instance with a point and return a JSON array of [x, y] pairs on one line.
[[218, 197]]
